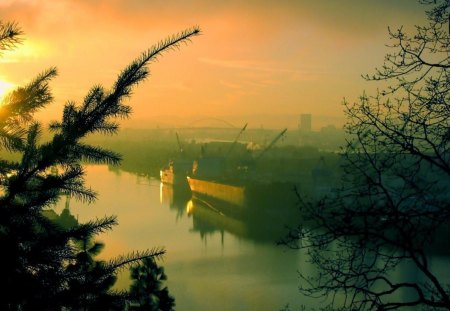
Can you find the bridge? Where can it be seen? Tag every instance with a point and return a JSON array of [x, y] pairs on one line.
[[209, 123]]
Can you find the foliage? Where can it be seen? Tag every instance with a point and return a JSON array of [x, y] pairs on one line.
[[146, 291], [10, 35], [91, 289], [41, 264], [395, 200]]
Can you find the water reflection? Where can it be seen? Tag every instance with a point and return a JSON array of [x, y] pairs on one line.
[[212, 216], [212, 256], [175, 198], [208, 218], [239, 261]]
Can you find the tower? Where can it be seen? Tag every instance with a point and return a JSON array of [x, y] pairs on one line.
[[305, 122]]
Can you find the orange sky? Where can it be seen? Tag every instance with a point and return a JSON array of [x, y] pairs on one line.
[[258, 61]]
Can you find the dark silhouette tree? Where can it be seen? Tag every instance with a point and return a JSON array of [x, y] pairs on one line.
[[147, 291], [40, 264], [394, 203]]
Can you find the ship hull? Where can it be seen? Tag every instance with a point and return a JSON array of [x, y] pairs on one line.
[[231, 194], [272, 198]]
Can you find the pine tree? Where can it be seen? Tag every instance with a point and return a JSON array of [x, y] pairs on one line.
[[146, 291], [39, 256]]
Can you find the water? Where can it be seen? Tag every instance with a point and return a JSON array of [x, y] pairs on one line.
[[212, 262]]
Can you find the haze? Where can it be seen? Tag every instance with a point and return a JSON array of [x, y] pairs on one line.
[[261, 62]]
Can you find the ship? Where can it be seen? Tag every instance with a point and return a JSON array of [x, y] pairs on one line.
[[238, 190], [243, 198], [176, 171]]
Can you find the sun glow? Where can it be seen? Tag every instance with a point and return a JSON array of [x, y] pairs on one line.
[[5, 87]]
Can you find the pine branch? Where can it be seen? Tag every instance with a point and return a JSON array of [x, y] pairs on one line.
[[93, 227], [24, 101], [133, 257], [98, 106], [95, 154], [18, 107], [71, 182], [29, 153], [136, 72], [11, 138], [10, 36]]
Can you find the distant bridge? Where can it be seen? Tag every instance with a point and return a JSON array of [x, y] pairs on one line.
[[210, 123]]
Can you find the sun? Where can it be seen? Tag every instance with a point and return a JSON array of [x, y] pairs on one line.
[[5, 87]]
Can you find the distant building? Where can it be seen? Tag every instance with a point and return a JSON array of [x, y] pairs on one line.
[[305, 123]]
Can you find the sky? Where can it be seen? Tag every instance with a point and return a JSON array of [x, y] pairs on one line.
[[262, 62]]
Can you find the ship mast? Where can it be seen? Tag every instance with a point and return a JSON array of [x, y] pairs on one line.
[[236, 139]]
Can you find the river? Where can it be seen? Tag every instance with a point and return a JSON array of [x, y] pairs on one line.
[[213, 262]]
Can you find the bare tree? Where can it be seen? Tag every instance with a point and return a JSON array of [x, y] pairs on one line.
[[394, 200]]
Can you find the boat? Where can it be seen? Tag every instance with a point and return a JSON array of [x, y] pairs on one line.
[[218, 190], [175, 172], [177, 169], [245, 197], [240, 192]]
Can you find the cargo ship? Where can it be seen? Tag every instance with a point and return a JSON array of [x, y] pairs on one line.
[[242, 198], [240, 190], [175, 172]]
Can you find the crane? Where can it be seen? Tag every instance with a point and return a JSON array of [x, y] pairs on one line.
[[271, 144], [180, 146], [236, 139]]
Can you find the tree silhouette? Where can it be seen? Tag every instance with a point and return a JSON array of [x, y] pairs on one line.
[[40, 263], [394, 201], [94, 279], [146, 291]]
